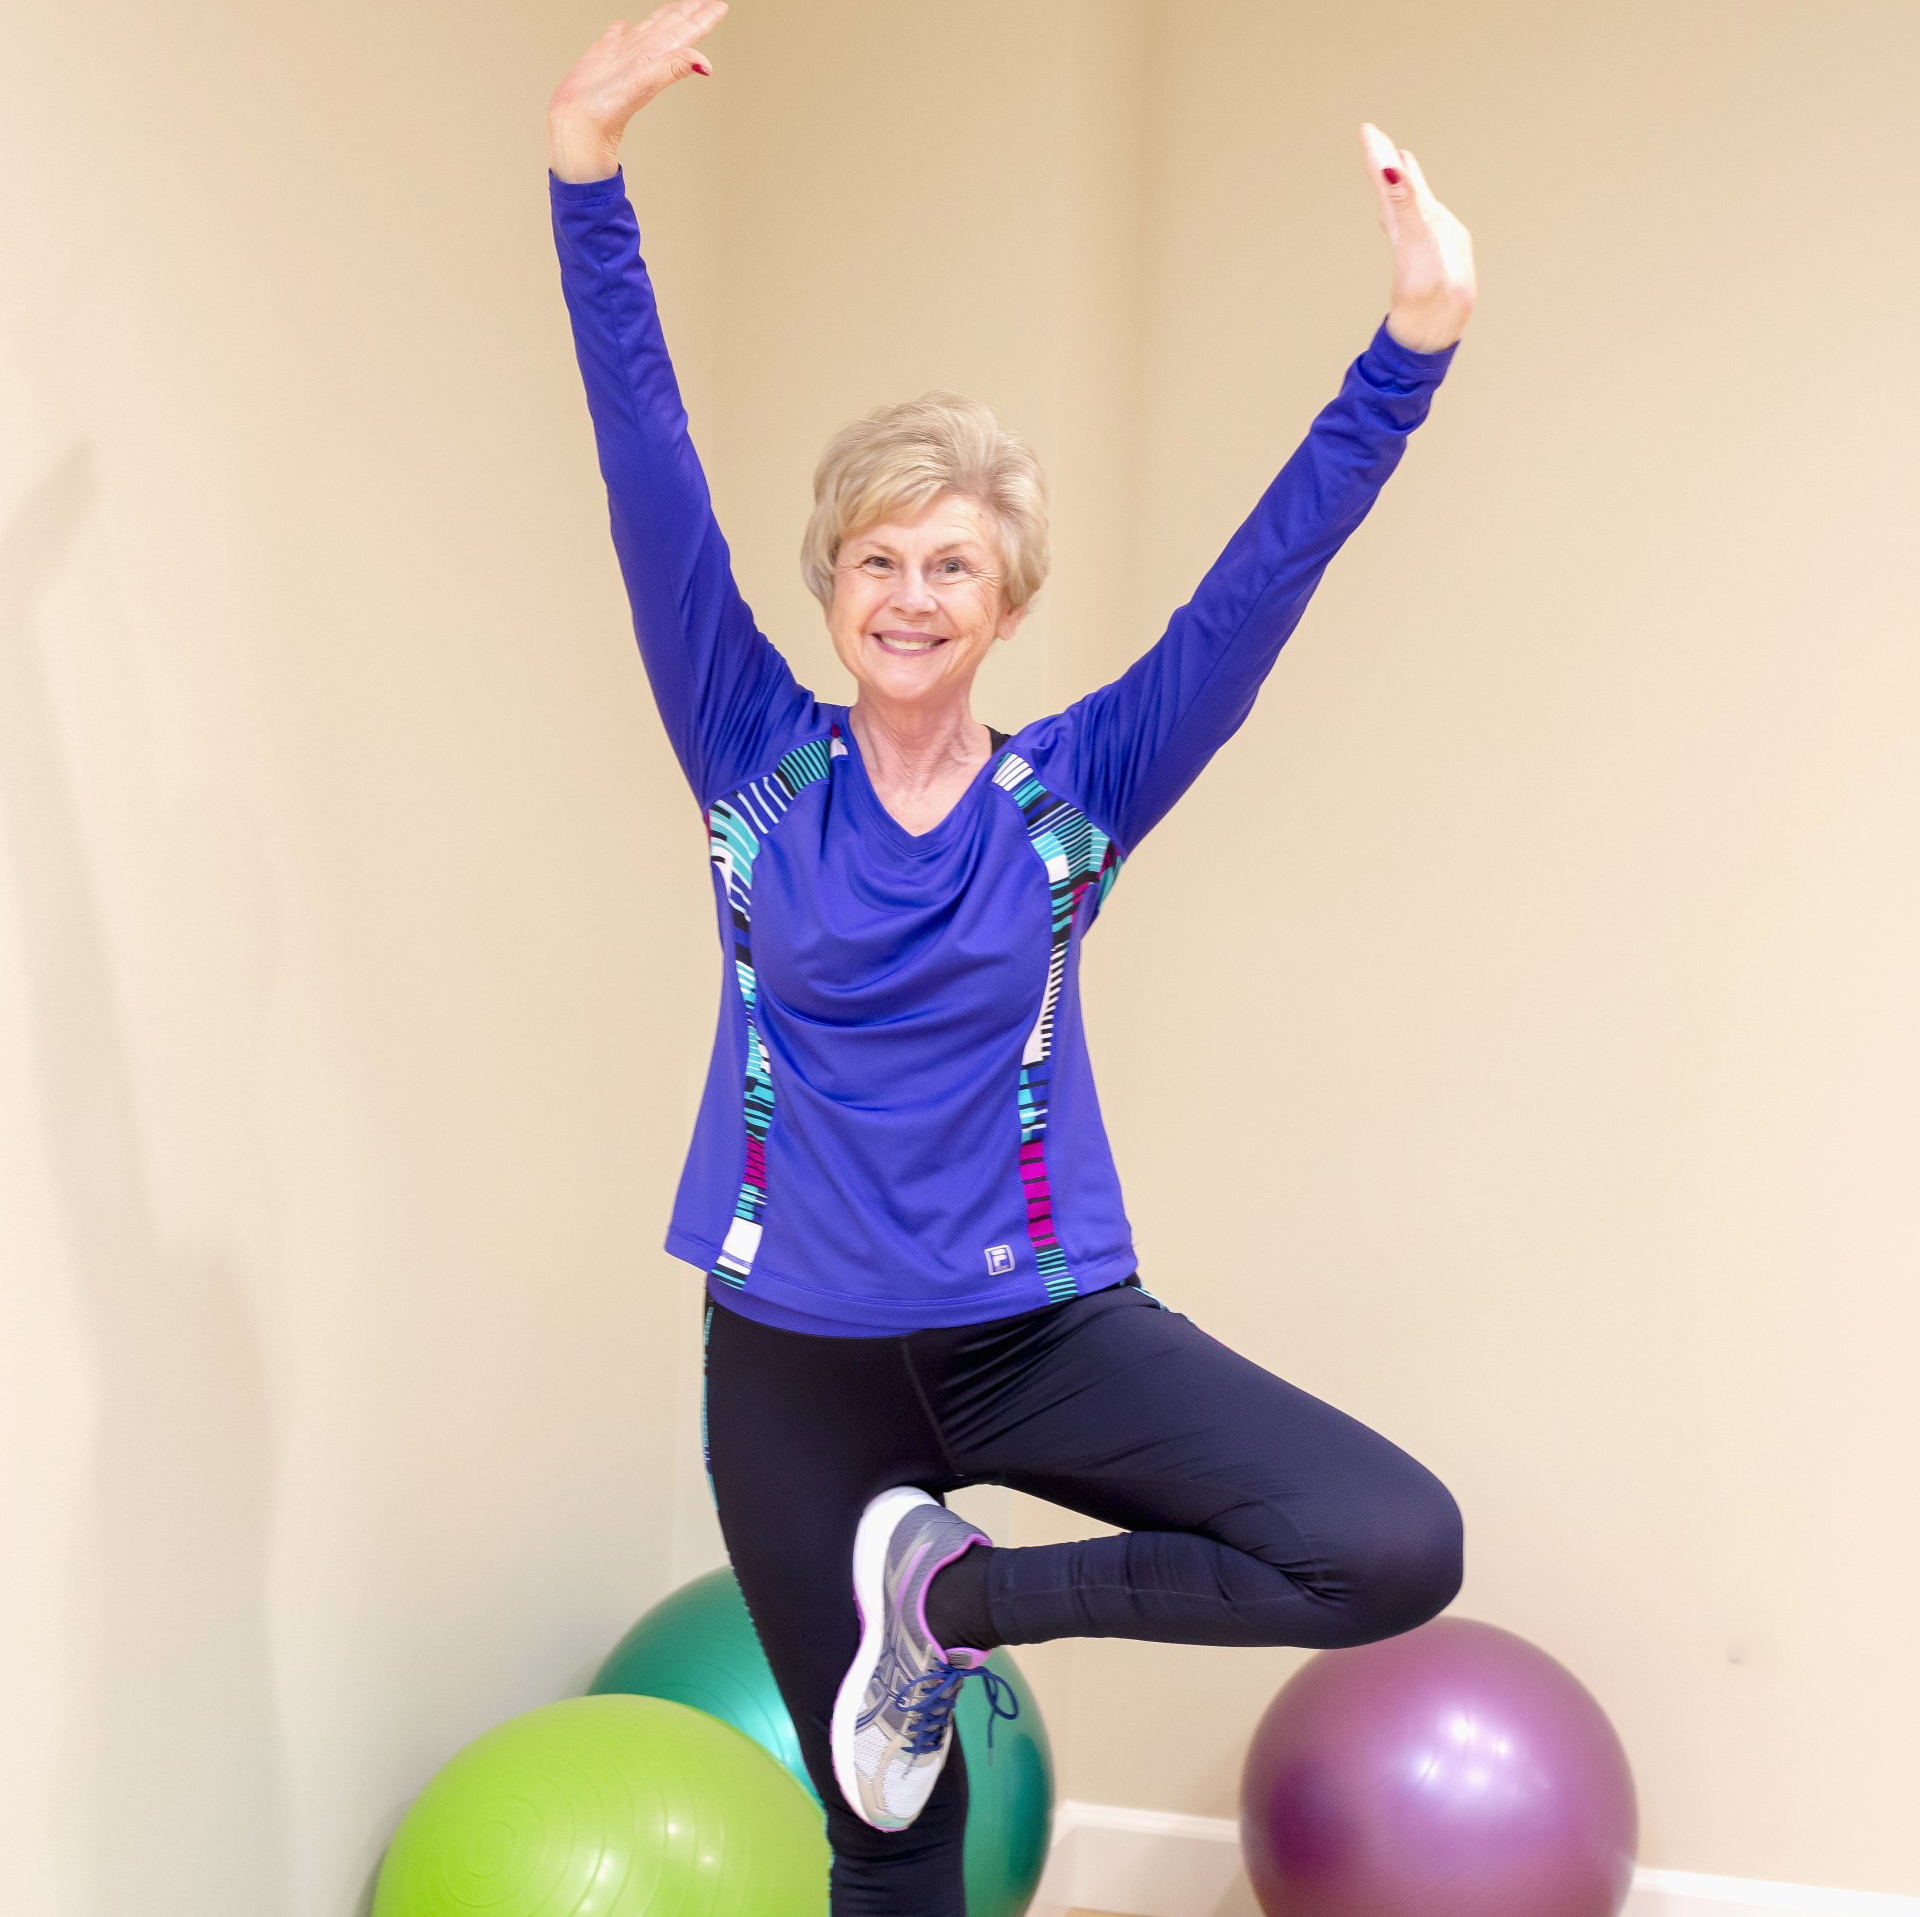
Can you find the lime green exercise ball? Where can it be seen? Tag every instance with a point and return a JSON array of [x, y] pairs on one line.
[[608, 1807], [698, 1646]]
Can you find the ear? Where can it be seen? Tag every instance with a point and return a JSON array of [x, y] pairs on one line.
[[1011, 620]]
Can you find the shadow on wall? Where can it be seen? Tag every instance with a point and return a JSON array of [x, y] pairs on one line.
[[173, 1762]]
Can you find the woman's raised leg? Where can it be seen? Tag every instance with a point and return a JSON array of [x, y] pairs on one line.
[[1252, 1512]]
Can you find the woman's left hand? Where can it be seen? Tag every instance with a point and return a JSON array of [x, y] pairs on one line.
[[1433, 282]]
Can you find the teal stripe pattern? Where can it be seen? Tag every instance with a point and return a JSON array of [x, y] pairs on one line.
[[1081, 862], [706, 1377], [737, 827]]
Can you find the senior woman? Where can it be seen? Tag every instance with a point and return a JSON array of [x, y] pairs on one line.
[[919, 1272]]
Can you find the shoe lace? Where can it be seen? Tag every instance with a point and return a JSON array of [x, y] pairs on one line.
[[929, 1714]]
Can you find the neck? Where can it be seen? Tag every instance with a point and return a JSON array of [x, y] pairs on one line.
[[909, 746]]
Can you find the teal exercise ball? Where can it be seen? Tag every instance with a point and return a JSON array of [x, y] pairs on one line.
[[698, 1647], [608, 1807], [1009, 1795]]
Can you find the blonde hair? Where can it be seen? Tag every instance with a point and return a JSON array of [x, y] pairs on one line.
[[894, 461]]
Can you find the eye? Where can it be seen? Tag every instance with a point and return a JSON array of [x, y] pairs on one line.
[[874, 559]]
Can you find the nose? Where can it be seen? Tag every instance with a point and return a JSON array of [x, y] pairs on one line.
[[912, 592]]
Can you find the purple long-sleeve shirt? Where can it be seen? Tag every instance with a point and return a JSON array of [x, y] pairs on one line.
[[900, 1127]]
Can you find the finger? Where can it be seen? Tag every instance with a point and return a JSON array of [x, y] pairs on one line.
[[678, 20], [1380, 151], [705, 18], [691, 18], [1422, 192], [666, 37], [684, 22], [1389, 176], [1410, 207]]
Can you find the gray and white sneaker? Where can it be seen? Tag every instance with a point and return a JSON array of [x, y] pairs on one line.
[[893, 1718]]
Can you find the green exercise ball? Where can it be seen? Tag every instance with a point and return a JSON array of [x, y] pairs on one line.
[[1009, 1796], [608, 1807], [698, 1646]]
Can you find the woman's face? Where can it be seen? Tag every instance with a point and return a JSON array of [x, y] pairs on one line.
[[903, 583]]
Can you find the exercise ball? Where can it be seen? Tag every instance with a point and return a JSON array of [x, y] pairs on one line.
[[698, 1647], [1455, 1770], [1009, 1794], [608, 1807]]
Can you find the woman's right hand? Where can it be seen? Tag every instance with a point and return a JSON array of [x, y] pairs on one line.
[[616, 76]]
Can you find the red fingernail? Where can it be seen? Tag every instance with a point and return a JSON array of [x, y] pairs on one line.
[[1393, 177]]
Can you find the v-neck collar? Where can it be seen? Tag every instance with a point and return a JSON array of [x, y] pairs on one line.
[[916, 844]]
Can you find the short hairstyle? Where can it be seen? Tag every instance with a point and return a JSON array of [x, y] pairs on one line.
[[894, 461]]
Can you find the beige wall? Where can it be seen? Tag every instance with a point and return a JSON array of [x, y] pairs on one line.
[[355, 967]]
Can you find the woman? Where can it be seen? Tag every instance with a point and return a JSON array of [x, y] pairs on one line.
[[918, 1268]]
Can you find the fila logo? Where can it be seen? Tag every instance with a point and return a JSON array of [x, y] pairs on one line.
[[999, 1258]]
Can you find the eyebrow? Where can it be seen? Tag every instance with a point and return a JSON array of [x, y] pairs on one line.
[[880, 545]]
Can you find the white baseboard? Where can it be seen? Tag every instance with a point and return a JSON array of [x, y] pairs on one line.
[[1161, 1864]]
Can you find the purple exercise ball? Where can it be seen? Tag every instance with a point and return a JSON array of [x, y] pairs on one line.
[[1453, 1771]]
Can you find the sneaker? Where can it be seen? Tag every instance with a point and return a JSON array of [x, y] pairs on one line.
[[893, 1718]]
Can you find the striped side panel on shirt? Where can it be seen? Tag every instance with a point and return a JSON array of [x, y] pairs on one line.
[[1079, 858], [736, 827]]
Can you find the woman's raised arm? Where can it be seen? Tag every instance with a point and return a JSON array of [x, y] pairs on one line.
[[1135, 745], [727, 697]]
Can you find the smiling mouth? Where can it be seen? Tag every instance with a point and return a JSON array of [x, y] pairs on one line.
[[930, 642]]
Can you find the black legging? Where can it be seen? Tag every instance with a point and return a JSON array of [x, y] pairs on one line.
[[1253, 1513]]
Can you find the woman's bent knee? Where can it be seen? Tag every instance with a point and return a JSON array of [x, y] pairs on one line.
[[1411, 1573]]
